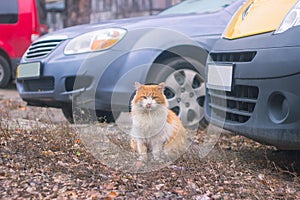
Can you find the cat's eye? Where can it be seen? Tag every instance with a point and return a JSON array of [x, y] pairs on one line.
[[144, 97], [155, 97]]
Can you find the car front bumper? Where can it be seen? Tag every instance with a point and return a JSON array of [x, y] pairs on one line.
[[94, 80], [264, 101]]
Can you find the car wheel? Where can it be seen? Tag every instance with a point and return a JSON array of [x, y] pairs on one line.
[[5, 72], [184, 90], [68, 113]]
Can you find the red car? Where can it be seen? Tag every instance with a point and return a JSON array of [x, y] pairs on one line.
[[21, 23]]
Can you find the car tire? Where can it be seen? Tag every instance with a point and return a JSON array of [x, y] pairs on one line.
[[5, 72], [68, 113], [83, 116], [184, 89]]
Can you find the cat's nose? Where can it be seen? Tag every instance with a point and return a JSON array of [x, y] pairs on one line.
[[148, 105]]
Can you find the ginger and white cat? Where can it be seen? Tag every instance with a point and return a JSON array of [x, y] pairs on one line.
[[155, 127]]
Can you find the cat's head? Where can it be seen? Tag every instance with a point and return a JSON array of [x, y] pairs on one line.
[[149, 97]]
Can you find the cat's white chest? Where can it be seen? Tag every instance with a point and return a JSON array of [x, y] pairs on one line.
[[146, 125]]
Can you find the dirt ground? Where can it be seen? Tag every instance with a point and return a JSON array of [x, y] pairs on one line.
[[42, 157]]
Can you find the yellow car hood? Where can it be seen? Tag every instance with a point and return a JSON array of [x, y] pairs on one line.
[[258, 16]]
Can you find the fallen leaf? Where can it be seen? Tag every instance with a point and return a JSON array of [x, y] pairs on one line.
[[112, 195], [262, 179], [180, 192], [48, 153], [159, 186]]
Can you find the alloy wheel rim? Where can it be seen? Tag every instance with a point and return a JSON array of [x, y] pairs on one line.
[[185, 92]]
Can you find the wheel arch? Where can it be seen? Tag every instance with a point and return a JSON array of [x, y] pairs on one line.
[[189, 51], [196, 53]]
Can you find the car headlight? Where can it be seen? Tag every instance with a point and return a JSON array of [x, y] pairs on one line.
[[292, 19], [95, 41]]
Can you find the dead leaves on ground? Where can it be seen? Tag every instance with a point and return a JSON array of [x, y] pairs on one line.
[[53, 163]]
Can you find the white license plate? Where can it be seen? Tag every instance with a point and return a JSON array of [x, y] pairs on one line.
[[29, 70], [219, 77]]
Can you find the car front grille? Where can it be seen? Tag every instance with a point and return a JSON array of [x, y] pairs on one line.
[[42, 48], [38, 85], [233, 56], [235, 106]]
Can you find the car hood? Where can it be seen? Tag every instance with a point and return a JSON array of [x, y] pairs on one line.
[[258, 16], [191, 25]]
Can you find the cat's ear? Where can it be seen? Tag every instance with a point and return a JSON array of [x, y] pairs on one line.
[[161, 87], [137, 85]]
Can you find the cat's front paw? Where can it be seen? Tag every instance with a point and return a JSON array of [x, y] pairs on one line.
[[157, 156], [138, 165], [140, 162], [142, 158]]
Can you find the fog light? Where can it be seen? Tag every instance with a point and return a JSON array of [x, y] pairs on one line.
[[278, 108]]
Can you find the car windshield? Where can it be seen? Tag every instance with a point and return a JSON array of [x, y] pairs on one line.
[[196, 6]]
